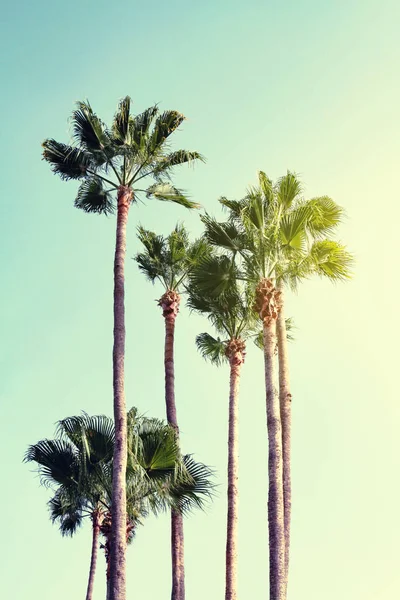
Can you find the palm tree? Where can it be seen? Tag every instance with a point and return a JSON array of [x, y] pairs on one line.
[[278, 237], [232, 317], [78, 465], [118, 161], [169, 260]]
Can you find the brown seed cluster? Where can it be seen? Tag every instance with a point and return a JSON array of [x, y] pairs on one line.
[[169, 303], [268, 300], [235, 351]]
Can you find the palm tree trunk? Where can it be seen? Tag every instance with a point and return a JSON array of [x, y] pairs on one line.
[[236, 359], [118, 532], [169, 303], [267, 305], [285, 401], [275, 471], [93, 560]]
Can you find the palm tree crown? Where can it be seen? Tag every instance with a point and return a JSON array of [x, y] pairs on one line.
[[135, 148]]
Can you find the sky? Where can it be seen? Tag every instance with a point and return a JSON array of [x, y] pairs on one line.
[[303, 85]]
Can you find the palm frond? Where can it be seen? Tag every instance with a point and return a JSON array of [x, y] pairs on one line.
[[88, 130], [140, 125], [223, 235], [324, 216], [57, 462], [120, 127], [214, 275], [167, 192], [212, 349], [93, 198], [165, 124], [288, 189], [66, 161], [332, 260], [179, 157], [293, 228], [193, 490]]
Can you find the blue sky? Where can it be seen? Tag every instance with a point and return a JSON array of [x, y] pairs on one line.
[[307, 86]]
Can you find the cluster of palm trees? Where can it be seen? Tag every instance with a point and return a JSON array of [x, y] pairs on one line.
[[236, 274]]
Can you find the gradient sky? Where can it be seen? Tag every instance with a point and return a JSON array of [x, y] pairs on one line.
[[303, 85]]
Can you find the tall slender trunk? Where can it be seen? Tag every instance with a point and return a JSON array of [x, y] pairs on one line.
[[285, 401], [267, 305], [169, 303], [93, 560], [235, 352], [118, 531]]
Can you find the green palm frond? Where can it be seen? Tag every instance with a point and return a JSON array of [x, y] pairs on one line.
[[158, 450], [331, 259], [88, 130], [93, 198], [212, 349], [325, 215], [293, 228], [165, 124], [167, 192], [67, 511], [92, 435], [266, 187], [179, 157], [193, 490], [288, 190], [214, 275], [223, 235], [57, 462], [66, 161], [140, 125], [120, 127]]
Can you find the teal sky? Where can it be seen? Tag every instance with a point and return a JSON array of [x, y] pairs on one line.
[[308, 86]]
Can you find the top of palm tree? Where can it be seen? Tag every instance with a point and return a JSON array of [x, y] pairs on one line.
[[134, 153], [169, 259], [77, 465], [274, 232]]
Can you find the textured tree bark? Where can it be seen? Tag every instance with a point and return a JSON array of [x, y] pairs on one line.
[[285, 401], [267, 304], [235, 352], [169, 303], [118, 528], [93, 560]]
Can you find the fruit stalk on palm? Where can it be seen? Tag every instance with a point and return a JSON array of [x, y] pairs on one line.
[[116, 166]]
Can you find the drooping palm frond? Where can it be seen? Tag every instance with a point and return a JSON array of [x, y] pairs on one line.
[[67, 511], [66, 161], [195, 489], [212, 349], [57, 462], [167, 192], [93, 198], [88, 130]]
